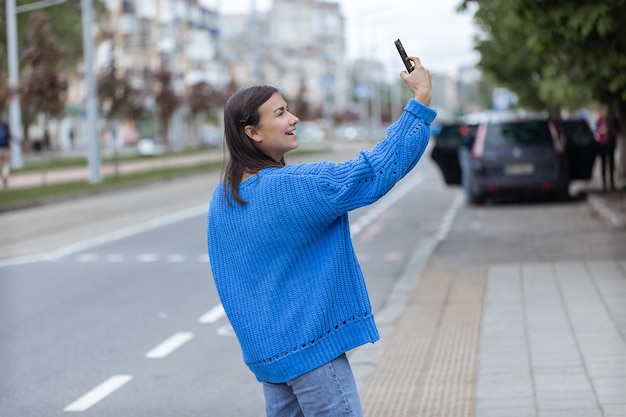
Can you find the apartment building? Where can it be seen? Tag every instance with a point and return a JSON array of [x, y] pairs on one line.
[[297, 46], [181, 35]]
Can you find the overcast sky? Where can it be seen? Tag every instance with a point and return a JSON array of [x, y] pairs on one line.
[[432, 30]]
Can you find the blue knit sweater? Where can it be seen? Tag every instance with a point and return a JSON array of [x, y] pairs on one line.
[[284, 265]]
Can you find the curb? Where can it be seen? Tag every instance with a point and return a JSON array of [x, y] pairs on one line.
[[604, 210]]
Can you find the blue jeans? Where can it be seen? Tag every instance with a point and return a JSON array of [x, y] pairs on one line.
[[328, 391]]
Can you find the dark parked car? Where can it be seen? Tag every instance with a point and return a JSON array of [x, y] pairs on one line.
[[581, 148], [447, 142], [517, 158]]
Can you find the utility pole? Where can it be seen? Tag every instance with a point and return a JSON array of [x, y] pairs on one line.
[[91, 103], [255, 35], [15, 113], [15, 116]]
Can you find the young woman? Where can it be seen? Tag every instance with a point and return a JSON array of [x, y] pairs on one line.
[[280, 248]]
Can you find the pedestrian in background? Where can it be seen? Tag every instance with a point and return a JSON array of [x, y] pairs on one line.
[[607, 129], [280, 248], [5, 153]]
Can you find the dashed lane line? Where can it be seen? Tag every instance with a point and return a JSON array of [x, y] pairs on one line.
[[54, 256], [213, 315], [169, 345], [107, 237], [98, 393]]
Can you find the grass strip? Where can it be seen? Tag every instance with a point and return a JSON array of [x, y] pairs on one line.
[[16, 198], [50, 162]]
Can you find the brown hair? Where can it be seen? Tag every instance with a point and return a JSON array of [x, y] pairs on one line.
[[241, 110]]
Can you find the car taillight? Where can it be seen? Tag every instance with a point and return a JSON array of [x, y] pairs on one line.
[[479, 144], [493, 189]]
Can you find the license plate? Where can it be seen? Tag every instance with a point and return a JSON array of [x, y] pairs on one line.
[[519, 169]]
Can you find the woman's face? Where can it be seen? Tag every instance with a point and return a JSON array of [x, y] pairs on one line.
[[276, 132]]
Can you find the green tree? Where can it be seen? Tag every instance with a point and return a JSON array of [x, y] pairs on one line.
[[65, 18], [554, 53], [65, 22]]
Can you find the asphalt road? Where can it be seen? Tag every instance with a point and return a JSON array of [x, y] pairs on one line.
[[118, 316]]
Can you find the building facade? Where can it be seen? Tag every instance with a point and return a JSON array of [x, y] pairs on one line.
[[297, 46]]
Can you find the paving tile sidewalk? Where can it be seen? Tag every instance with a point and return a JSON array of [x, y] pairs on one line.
[[523, 339], [514, 340]]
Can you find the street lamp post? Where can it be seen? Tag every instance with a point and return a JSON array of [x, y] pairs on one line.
[[15, 115], [92, 100]]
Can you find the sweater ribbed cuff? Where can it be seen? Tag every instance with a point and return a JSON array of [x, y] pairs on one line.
[[420, 110]]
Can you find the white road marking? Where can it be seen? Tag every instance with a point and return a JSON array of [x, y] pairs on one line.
[[204, 258], [108, 237], [213, 315], [448, 218], [87, 257], [175, 258], [169, 345], [226, 330], [147, 257], [116, 258], [98, 393]]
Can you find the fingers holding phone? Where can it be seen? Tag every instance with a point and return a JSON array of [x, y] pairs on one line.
[[418, 81]]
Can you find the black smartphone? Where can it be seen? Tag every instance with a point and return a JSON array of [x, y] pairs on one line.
[[407, 63]]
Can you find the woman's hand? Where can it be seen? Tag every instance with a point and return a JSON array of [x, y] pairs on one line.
[[419, 81]]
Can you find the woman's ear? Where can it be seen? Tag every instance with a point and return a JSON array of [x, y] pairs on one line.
[[251, 132]]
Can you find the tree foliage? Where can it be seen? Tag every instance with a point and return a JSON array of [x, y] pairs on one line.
[[202, 97], [44, 88], [554, 53], [117, 97], [65, 18], [166, 99]]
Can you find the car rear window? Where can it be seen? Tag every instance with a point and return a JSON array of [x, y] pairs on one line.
[[520, 133], [578, 132], [452, 136]]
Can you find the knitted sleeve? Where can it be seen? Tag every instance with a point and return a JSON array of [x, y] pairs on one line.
[[363, 180]]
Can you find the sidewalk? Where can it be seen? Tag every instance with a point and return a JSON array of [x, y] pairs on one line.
[[37, 178], [523, 339]]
